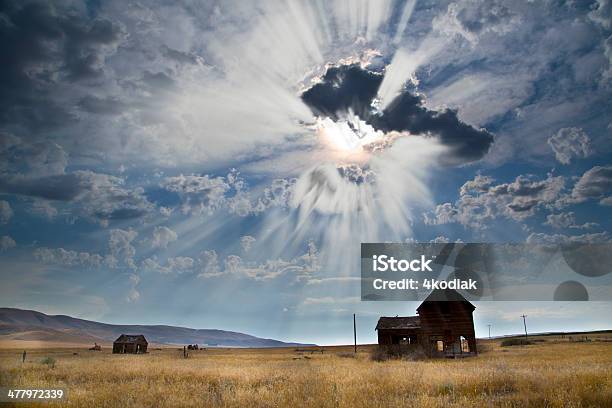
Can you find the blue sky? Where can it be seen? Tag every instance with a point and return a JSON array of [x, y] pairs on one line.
[[160, 162]]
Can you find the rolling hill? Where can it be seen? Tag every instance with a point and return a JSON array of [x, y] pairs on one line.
[[32, 327]]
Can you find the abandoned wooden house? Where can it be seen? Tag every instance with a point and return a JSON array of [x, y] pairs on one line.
[[444, 327], [130, 344]]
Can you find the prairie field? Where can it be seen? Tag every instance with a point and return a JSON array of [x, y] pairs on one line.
[[553, 372]]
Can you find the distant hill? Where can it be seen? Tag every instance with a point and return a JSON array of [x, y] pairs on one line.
[[30, 326]]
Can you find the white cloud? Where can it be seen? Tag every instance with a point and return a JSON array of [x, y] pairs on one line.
[[541, 238], [328, 300], [44, 209], [204, 194], [65, 257], [120, 246], [594, 184], [569, 143], [162, 236], [480, 200], [302, 267], [566, 220], [133, 295], [246, 242]]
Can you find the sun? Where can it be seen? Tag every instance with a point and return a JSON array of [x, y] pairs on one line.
[[348, 136]]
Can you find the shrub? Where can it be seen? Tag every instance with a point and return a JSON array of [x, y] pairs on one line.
[[379, 354], [395, 351], [416, 354], [515, 342], [347, 355]]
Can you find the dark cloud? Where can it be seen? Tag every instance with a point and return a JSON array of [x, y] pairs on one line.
[[95, 195], [351, 87], [101, 106], [341, 88], [41, 46], [61, 187]]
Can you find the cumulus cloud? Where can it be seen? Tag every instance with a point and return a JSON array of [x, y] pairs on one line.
[[37, 170], [246, 242], [594, 184], [566, 220], [473, 19], [120, 244], [205, 194], [352, 87], [133, 294], [542, 238], [6, 242], [481, 201], [43, 208], [66, 257], [45, 45], [162, 236], [209, 264], [96, 196], [6, 212], [302, 267], [569, 143], [602, 13]]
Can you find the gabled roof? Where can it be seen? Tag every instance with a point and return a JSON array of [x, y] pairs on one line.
[[405, 322], [131, 338], [445, 295]]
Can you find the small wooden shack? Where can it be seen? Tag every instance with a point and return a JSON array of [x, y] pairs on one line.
[[130, 344], [444, 327]]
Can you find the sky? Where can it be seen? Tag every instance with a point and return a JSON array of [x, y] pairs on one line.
[[216, 164]]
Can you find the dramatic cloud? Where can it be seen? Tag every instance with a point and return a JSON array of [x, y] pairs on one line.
[[602, 13], [568, 143], [352, 88], [162, 236], [96, 196], [44, 44]]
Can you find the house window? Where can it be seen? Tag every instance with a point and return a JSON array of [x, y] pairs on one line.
[[465, 345]]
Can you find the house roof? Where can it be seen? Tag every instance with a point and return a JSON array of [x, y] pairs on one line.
[[403, 322], [445, 295], [131, 338]]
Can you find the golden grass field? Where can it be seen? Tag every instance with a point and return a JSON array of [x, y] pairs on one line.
[[554, 373]]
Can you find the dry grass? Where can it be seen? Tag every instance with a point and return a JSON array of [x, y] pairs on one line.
[[552, 374]]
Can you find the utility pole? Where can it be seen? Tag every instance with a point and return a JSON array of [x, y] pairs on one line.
[[525, 324], [355, 331], [489, 331]]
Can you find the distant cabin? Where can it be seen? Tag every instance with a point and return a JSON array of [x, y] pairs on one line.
[[444, 326], [130, 344]]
